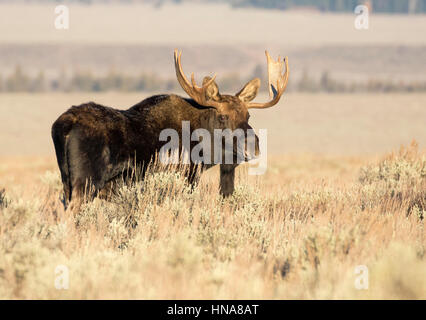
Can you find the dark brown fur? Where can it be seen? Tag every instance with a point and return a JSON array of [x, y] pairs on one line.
[[95, 144]]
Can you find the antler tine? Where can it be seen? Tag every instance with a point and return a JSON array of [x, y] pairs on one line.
[[195, 92], [205, 86], [183, 81], [194, 85], [274, 71]]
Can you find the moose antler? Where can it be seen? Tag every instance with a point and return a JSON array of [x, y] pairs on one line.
[[277, 82], [195, 92]]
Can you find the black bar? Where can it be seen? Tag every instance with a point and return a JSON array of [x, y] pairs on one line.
[[209, 309]]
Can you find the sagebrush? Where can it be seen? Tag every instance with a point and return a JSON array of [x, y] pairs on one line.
[[158, 238]]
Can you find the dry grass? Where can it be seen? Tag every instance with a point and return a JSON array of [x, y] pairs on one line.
[[291, 234]]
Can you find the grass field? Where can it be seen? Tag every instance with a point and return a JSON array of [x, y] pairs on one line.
[[334, 197], [339, 192], [297, 232]]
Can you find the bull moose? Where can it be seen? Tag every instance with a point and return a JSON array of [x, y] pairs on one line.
[[94, 143]]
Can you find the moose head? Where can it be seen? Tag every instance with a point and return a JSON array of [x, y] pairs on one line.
[[232, 111]]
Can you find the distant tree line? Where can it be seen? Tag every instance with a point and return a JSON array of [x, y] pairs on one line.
[[19, 81], [326, 83], [385, 6]]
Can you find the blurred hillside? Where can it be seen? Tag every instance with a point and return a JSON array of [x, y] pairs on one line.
[[112, 45]]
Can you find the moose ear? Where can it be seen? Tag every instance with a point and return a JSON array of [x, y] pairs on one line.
[[249, 92], [212, 91]]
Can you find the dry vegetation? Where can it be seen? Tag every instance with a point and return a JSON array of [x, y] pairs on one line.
[[297, 232]]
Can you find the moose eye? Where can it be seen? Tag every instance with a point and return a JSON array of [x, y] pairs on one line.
[[223, 118]]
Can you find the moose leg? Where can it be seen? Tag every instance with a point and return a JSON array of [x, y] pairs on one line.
[[227, 177], [193, 175], [84, 171], [76, 200], [109, 190]]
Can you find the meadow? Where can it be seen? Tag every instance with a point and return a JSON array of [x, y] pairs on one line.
[[299, 231], [339, 191]]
